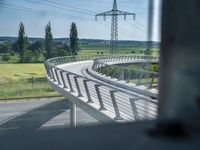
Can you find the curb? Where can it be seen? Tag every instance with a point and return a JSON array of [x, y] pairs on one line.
[[28, 99]]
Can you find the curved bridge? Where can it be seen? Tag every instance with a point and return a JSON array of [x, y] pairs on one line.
[[105, 98]]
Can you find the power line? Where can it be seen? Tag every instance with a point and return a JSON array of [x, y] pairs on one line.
[[70, 6], [35, 11], [141, 29], [58, 7], [124, 31], [141, 24]]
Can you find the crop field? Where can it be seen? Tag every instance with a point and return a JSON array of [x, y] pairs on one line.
[[105, 50], [23, 80]]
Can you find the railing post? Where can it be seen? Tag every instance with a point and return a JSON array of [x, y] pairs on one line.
[[140, 78], [134, 109], [50, 72], [121, 74], [58, 79], [152, 80], [87, 91], [72, 115], [113, 75], [101, 68], [116, 108], [70, 84], [63, 80], [129, 75], [99, 97], [47, 69], [53, 75], [77, 86], [65, 60]]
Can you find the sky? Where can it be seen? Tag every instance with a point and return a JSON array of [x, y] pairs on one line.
[[35, 14]]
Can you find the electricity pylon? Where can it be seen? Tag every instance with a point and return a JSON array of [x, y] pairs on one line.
[[114, 13]]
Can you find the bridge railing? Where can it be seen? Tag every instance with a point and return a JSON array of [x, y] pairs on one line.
[[107, 66], [124, 105]]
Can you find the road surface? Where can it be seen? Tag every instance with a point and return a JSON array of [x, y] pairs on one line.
[[38, 115]]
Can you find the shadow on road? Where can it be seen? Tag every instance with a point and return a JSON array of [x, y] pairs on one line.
[[32, 120]]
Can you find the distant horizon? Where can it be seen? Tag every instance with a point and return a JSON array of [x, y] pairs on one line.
[[79, 38]]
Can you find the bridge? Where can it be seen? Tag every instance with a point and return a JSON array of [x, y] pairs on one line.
[[109, 99]]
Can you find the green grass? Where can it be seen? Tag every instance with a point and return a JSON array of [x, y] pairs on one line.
[[93, 50], [16, 81]]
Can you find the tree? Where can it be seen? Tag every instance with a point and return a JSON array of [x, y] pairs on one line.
[[22, 39], [62, 50], [37, 46], [48, 41], [148, 52], [73, 39], [15, 46], [28, 56], [5, 47]]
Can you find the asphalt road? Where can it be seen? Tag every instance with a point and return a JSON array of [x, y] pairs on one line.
[[38, 115]]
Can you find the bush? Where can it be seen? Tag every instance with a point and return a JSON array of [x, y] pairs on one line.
[[6, 58], [12, 53], [154, 67], [59, 52], [148, 52], [28, 56]]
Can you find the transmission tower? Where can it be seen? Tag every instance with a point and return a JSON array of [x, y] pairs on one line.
[[114, 13]]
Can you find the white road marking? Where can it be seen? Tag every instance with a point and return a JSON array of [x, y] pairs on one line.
[[55, 124], [12, 128]]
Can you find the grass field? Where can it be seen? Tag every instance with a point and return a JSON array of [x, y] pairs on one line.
[[23, 80], [94, 50]]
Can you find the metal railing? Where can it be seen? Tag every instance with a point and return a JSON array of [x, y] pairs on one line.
[[107, 66], [123, 105]]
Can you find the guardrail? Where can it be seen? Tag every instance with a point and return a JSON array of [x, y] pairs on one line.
[[118, 105], [142, 81], [139, 77], [105, 65]]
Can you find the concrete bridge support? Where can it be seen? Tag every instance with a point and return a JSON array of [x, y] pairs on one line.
[[72, 115], [122, 75]]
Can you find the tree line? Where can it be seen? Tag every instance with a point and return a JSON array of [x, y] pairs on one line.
[[42, 49]]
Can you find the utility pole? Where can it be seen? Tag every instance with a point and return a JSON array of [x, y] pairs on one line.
[[114, 13]]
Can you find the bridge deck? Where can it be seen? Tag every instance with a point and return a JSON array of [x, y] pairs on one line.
[[146, 109]]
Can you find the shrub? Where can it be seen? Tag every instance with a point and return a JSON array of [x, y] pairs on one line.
[[28, 56], [6, 58], [154, 67], [12, 53], [60, 52]]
